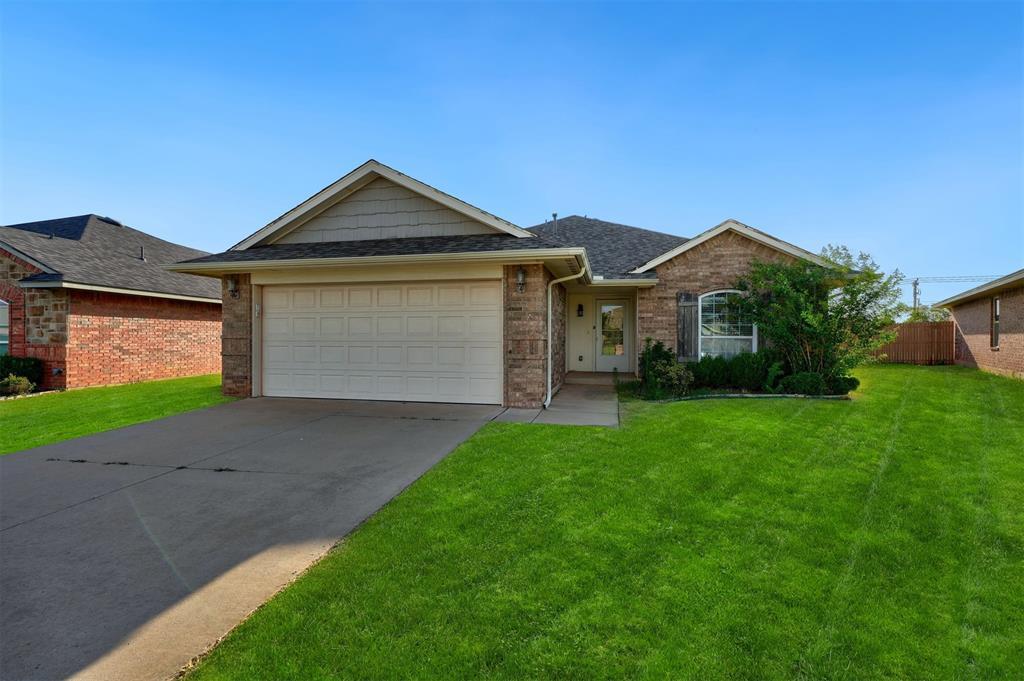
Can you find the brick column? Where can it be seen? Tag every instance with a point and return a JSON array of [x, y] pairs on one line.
[[526, 337], [236, 338]]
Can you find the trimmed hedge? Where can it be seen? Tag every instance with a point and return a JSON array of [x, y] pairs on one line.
[[29, 367]]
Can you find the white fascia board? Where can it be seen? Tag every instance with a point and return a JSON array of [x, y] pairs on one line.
[[356, 180], [512, 257], [112, 289], [27, 258], [638, 283], [999, 283], [739, 228]]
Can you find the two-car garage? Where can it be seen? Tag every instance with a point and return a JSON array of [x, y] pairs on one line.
[[412, 341]]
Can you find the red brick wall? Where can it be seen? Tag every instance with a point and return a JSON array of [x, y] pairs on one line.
[[236, 339], [713, 265], [526, 337], [973, 340], [115, 338]]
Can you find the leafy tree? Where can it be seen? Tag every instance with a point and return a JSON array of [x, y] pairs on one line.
[[824, 320], [924, 313]]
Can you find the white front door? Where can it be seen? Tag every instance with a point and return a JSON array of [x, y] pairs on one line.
[[613, 334], [422, 341]]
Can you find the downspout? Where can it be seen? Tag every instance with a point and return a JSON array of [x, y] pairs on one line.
[[551, 287]]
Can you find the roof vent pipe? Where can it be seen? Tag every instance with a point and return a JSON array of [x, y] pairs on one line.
[[554, 226], [142, 253]]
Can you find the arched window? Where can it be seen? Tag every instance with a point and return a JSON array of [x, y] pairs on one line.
[[724, 330]]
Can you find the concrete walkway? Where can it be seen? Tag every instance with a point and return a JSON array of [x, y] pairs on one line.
[[576, 404], [126, 553]]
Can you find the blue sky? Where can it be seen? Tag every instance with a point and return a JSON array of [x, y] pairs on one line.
[[897, 129]]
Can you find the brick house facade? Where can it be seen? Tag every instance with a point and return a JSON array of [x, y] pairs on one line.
[[90, 298], [713, 265], [974, 322], [87, 338], [393, 244]]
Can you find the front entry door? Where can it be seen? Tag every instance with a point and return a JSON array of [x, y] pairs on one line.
[[612, 335]]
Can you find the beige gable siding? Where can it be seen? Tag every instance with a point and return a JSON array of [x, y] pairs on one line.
[[384, 210]]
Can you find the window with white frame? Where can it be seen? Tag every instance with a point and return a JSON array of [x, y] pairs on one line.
[[5, 327], [724, 330]]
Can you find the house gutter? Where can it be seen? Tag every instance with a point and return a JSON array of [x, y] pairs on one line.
[[551, 286]]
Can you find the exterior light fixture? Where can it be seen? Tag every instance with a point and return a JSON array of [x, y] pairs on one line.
[[520, 279], [232, 286], [579, 310]]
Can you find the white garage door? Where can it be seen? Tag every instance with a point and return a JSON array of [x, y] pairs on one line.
[[423, 342]]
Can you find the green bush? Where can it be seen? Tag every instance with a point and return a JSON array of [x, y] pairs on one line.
[[29, 367], [661, 375], [803, 383], [16, 385], [711, 372], [842, 385], [748, 371], [774, 373]]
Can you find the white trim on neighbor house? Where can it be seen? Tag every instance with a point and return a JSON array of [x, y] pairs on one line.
[[27, 258], [739, 228], [111, 289], [1001, 282], [700, 324], [356, 180]]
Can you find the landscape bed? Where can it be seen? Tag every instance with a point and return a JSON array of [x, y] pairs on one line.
[[881, 537]]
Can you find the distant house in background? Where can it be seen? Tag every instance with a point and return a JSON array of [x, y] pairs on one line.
[[990, 325], [91, 298]]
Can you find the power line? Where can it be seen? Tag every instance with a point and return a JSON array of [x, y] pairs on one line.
[[964, 278]]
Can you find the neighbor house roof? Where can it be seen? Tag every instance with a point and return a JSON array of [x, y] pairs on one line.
[[93, 252], [1012, 280], [614, 250]]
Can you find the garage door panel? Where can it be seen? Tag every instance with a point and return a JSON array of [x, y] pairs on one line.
[[422, 341]]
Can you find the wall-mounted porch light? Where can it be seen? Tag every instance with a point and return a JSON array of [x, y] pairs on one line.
[[579, 310], [233, 286], [520, 279]]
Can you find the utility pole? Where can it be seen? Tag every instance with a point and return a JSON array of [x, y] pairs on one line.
[[917, 293]]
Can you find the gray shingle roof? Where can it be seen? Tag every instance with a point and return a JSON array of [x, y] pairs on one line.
[[88, 249], [471, 243], [613, 249]]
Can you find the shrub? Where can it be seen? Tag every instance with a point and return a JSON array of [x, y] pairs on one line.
[[842, 385], [803, 383], [29, 367], [748, 371], [661, 375], [772, 375], [711, 372], [822, 319], [653, 353], [16, 385]]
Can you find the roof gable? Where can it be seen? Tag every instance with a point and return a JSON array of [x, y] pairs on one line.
[[322, 203], [741, 229]]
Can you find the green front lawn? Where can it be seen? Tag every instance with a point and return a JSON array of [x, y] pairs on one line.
[[877, 538], [45, 419]]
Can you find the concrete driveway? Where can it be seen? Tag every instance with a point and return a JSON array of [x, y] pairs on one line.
[[124, 554]]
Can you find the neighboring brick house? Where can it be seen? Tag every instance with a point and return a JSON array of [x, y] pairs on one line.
[[91, 299], [383, 287], [990, 325]]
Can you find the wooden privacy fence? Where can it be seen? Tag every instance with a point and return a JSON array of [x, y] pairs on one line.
[[920, 343]]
